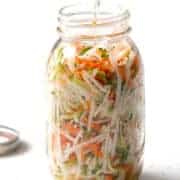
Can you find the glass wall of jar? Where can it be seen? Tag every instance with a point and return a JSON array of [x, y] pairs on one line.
[[95, 71]]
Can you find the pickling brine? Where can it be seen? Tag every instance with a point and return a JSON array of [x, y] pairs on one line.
[[96, 126]]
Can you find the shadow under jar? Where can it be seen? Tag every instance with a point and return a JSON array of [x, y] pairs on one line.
[[95, 72]]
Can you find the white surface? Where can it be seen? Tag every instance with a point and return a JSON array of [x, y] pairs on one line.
[[27, 32]]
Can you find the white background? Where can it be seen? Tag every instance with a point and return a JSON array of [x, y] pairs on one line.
[[27, 33]]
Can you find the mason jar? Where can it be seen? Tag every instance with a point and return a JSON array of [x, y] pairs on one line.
[[95, 72]]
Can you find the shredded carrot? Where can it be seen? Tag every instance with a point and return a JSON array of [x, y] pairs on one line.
[[95, 63], [94, 148], [135, 67], [108, 177], [100, 154], [123, 72], [96, 127], [64, 141], [72, 157], [102, 81], [112, 95], [73, 130], [128, 168]]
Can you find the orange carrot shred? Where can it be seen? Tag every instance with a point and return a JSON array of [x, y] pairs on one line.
[[73, 131], [108, 177]]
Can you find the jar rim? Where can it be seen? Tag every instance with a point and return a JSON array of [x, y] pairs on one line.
[[69, 15], [82, 16]]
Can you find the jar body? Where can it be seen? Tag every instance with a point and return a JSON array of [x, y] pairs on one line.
[[96, 127]]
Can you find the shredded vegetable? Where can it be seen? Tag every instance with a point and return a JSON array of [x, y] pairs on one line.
[[97, 112]]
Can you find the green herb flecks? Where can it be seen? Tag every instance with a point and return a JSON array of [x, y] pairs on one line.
[[70, 163], [111, 108], [59, 58], [58, 66], [101, 75], [78, 82], [97, 167], [123, 86], [113, 82], [123, 152], [122, 149], [87, 134], [59, 69], [104, 53], [84, 169], [84, 50], [130, 116]]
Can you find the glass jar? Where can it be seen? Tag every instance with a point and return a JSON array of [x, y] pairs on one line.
[[96, 127]]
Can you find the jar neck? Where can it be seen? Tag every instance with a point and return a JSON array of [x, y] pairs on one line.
[[77, 21]]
